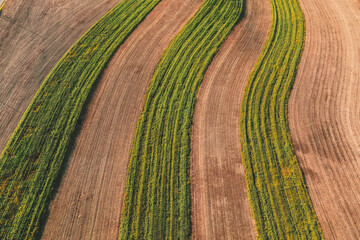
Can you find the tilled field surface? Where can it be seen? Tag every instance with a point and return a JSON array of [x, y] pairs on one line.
[[324, 113]]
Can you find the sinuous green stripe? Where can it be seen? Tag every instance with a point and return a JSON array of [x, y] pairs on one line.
[[278, 194], [30, 163], [158, 201]]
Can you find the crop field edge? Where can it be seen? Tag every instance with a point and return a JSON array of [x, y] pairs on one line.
[[38, 229], [249, 180], [135, 142]]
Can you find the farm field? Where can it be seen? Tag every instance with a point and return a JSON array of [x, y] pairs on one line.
[[157, 202], [221, 208], [89, 200], [34, 35], [324, 114], [168, 119], [31, 161], [278, 196]]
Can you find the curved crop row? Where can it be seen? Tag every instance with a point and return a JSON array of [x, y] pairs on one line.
[[277, 191], [158, 198], [30, 163]]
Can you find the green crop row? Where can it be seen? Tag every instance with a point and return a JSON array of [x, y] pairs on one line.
[[278, 195], [30, 163], [158, 197]]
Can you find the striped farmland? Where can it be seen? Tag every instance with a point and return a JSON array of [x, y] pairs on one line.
[[31, 161], [277, 191], [157, 202]]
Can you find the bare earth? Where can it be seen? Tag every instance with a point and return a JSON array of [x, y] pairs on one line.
[[89, 200], [324, 114], [34, 35], [221, 208]]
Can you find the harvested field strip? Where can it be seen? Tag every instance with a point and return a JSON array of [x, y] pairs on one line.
[[94, 183], [158, 197], [277, 191], [30, 163], [220, 204], [324, 113]]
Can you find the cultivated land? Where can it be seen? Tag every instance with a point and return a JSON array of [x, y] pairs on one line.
[[31, 161], [34, 35], [278, 195], [221, 208], [89, 200], [141, 113], [324, 114], [158, 196]]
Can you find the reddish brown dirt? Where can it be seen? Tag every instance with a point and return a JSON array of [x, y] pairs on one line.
[[221, 208], [89, 200], [34, 35], [324, 114]]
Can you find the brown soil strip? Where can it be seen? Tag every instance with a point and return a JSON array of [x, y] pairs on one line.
[[221, 208], [34, 35], [89, 200], [324, 113]]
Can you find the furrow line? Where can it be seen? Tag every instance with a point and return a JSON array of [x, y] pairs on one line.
[[162, 137]]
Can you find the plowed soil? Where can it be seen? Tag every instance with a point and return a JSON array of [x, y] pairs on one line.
[[221, 208], [324, 114], [90, 197], [34, 35]]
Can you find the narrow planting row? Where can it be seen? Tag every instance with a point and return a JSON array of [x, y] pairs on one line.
[[30, 163], [158, 197], [277, 191]]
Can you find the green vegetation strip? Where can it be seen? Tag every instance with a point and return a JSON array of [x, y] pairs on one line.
[[278, 194], [30, 163], [158, 198]]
